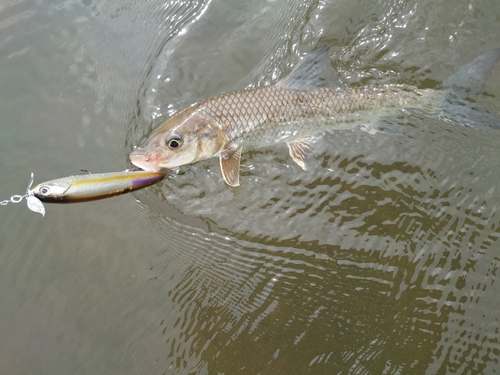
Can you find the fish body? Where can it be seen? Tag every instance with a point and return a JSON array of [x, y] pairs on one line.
[[274, 114], [291, 112], [88, 187]]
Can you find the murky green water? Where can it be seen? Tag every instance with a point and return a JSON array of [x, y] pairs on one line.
[[382, 259]]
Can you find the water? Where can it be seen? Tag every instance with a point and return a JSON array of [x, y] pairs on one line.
[[381, 259]]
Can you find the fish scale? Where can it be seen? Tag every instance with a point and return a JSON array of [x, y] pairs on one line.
[[266, 115]]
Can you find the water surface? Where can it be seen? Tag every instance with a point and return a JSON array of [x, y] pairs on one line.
[[381, 259]]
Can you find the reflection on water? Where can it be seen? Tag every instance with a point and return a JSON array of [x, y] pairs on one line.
[[380, 259]]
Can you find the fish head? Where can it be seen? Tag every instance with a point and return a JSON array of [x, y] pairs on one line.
[[183, 139]]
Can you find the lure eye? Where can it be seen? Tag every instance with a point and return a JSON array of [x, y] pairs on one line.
[[174, 141], [45, 190]]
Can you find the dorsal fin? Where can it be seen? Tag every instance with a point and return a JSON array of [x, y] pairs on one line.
[[469, 81], [312, 72], [470, 78]]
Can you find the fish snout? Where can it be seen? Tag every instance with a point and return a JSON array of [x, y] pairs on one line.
[[141, 158]]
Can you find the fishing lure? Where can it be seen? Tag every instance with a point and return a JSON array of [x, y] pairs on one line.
[[89, 187], [84, 188]]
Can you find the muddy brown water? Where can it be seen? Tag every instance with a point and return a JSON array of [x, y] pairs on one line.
[[380, 259]]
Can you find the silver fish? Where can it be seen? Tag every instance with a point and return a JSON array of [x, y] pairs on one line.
[[291, 112]]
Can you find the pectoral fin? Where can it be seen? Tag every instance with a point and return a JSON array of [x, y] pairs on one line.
[[230, 165], [297, 150]]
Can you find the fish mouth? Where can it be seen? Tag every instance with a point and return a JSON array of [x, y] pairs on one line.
[[139, 157]]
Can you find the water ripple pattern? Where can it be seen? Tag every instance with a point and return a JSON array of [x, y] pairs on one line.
[[381, 258], [374, 259]]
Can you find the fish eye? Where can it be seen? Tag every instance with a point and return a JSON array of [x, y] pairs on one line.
[[174, 141], [45, 190]]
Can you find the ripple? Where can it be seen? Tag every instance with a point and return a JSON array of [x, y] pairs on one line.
[[382, 258]]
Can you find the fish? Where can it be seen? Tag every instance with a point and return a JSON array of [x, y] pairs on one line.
[[89, 187], [290, 112]]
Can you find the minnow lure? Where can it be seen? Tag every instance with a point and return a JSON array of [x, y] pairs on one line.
[[84, 188], [89, 187]]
